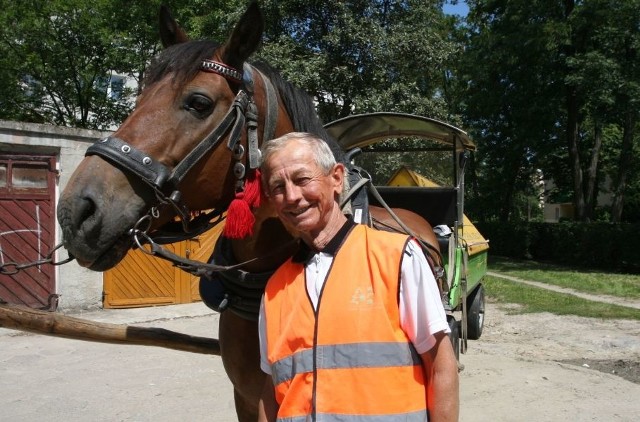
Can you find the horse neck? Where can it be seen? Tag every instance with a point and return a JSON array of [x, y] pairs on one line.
[[270, 242]]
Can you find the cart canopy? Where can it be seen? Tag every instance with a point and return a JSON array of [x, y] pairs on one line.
[[362, 130]]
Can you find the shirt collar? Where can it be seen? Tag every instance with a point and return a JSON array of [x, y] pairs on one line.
[[305, 253]]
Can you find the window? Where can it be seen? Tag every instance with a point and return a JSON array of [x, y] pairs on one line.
[[3, 175], [26, 175], [116, 87]]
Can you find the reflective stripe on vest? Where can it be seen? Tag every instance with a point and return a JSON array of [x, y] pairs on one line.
[[350, 359], [344, 356], [403, 417]]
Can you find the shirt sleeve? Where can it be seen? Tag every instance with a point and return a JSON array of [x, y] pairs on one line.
[[262, 333], [421, 311]]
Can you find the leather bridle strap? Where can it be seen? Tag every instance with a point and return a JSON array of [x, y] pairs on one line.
[[156, 174], [270, 118], [234, 121], [126, 157]]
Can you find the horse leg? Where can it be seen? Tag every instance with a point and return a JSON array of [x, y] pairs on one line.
[[240, 352]]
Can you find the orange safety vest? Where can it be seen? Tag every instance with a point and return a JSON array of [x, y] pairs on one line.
[[350, 359]]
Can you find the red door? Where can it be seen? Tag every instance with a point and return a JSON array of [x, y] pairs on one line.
[[27, 226]]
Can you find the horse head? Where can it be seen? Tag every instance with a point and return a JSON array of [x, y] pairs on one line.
[[185, 148]]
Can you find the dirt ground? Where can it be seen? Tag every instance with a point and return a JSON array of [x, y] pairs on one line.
[[538, 367], [545, 367]]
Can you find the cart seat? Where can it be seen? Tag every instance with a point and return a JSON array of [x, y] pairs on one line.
[[435, 204]]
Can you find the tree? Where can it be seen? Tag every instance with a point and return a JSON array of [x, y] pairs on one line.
[[510, 101], [620, 40], [363, 56], [60, 54], [537, 72]]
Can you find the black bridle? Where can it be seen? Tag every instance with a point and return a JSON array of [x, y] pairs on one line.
[[165, 182]]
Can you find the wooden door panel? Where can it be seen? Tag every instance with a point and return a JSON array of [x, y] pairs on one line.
[[140, 280], [27, 225], [23, 240], [143, 280]]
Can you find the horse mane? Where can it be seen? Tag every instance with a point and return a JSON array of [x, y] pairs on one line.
[[300, 108], [183, 61]]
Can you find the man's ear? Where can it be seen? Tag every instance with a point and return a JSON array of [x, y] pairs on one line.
[[337, 175]]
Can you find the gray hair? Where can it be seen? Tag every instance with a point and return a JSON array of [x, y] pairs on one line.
[[320, 149], [321, 152]]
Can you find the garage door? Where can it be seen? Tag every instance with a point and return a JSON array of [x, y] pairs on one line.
[[142, 280], [27, 226]]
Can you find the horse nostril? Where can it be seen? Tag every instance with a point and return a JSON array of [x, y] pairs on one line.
[[86, 210], [85, 214]]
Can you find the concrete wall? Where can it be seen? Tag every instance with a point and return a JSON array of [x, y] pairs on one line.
[[78, 287]]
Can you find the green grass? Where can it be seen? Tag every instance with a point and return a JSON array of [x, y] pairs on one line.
[[587, 281], [535, 299]]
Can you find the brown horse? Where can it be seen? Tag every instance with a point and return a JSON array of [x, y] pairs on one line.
[[186, 148]]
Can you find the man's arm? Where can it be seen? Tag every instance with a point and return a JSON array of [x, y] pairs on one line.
[[267, 407], [441, 371]]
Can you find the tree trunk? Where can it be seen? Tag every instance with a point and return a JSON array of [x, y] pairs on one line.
[[574, 153], [592, 172], [573, 126], [624, 162]]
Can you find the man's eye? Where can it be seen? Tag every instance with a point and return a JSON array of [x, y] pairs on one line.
[[302, 180], [276, 189]]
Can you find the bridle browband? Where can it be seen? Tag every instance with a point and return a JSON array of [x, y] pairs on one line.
[[164, 181], [222, 69]]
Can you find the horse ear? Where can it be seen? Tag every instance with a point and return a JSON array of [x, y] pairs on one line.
[[245, 38], [170, 31]]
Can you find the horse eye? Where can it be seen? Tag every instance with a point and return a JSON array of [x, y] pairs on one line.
[[199, 104]]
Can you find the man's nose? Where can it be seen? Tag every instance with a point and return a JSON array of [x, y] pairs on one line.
[[291, 193]]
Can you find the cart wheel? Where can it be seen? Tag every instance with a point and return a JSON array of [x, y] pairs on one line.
[[475, 313], [454, 335]]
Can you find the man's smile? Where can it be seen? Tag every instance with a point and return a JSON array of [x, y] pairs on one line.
[[299, 211]]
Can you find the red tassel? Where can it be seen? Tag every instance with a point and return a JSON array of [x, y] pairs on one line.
[[240, 219]]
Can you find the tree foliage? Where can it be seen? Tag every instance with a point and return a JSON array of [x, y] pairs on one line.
[[540, 84], [544, 80], [56, 57], [362, 56]]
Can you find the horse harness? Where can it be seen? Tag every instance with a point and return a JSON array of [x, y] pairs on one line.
[[243, 114], [164, 181]]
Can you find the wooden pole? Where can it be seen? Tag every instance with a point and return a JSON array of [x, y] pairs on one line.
[[58, 325]]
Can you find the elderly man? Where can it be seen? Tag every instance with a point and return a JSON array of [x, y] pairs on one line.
[[351, 327]]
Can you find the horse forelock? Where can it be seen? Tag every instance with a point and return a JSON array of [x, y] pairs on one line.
[[182, 60]]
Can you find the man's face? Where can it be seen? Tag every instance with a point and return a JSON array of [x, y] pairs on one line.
[[300, 191]]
